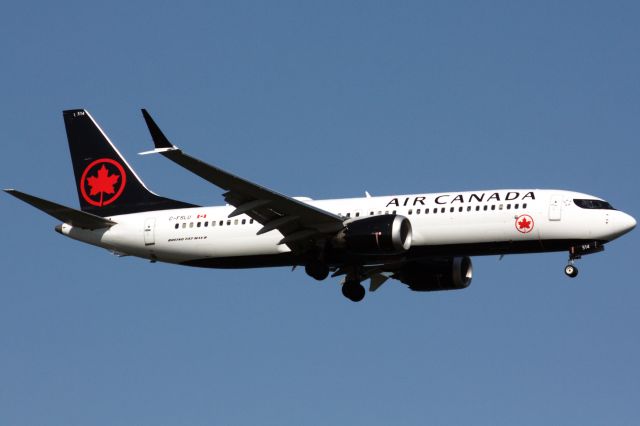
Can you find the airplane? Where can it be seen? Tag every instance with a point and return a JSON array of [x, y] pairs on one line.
[[425, 241]]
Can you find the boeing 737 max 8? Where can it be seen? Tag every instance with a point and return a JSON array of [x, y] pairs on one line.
[[423, 240]]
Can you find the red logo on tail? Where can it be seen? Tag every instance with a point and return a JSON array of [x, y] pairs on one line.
[[105, 180]]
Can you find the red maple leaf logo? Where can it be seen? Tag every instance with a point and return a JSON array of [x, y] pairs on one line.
[[103, 183], [524, 223]]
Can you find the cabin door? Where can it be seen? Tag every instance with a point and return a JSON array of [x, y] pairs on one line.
[[555, 207], [149, 231]]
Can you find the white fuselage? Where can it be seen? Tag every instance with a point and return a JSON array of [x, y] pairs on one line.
[[528, 220]]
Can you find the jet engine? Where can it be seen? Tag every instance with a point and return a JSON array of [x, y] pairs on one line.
[[448, 274], [384, 234]]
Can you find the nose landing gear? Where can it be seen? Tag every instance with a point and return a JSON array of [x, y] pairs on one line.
[[576, 252], [571, 270]]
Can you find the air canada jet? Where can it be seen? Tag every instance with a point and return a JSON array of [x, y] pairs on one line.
[[425, 241]]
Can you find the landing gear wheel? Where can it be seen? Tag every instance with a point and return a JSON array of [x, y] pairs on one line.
[[571, 271], [353, 291], [317, 270]]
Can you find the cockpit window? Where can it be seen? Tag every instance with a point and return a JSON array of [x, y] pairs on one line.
[[593, 204]]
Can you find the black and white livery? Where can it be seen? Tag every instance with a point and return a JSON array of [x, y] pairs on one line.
[[423, 240]]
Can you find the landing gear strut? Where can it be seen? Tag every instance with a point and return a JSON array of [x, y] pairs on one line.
[[353, 290], [571, 270]]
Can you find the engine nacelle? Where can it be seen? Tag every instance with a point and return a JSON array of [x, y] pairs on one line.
[[449, 274], [384, 234]]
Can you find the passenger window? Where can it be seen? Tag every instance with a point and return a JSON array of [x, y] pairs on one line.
[[251, 221], [206, 224], [485, 208], [213, 223], [451, 210], [184, 225], [418, 211], [500, 207], [468, 208], [221, 222], [435, 211], [426, 211], [199, 224], [460, 210], [516, 206], [348, 214], [410, 211], [524, 206], [394, 212], [442, 210], [477, 208], [244, 221], [386, 212], [508, 206], [229, 222], [177, 225], [371, 214], [357, 214], [235, 222], [493, 207]]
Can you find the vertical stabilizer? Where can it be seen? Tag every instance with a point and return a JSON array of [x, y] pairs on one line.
[[106, 184]]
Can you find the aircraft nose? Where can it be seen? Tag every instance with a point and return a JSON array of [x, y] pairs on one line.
[[627, 222], [624, 223]]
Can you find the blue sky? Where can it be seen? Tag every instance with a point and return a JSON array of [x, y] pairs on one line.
[[322, 99]]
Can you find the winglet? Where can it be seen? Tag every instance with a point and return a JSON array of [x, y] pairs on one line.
[[159, 139]]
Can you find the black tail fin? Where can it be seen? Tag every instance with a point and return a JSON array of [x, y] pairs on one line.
[[107, 185]]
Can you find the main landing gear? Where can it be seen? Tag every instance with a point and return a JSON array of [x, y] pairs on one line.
[[317, 269], [353, 290]]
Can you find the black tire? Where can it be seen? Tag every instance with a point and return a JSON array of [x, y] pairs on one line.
[[571, 271], [317, 270], [353, 291]]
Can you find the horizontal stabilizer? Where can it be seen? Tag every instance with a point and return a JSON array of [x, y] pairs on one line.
[[65, 214]]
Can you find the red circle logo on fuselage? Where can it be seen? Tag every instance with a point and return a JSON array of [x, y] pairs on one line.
[[102, 182], [524, 223]]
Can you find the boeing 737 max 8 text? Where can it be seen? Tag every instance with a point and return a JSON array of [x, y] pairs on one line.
[[423, 240]]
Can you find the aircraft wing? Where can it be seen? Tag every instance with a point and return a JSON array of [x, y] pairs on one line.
[[299, 222], [65, 214]]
